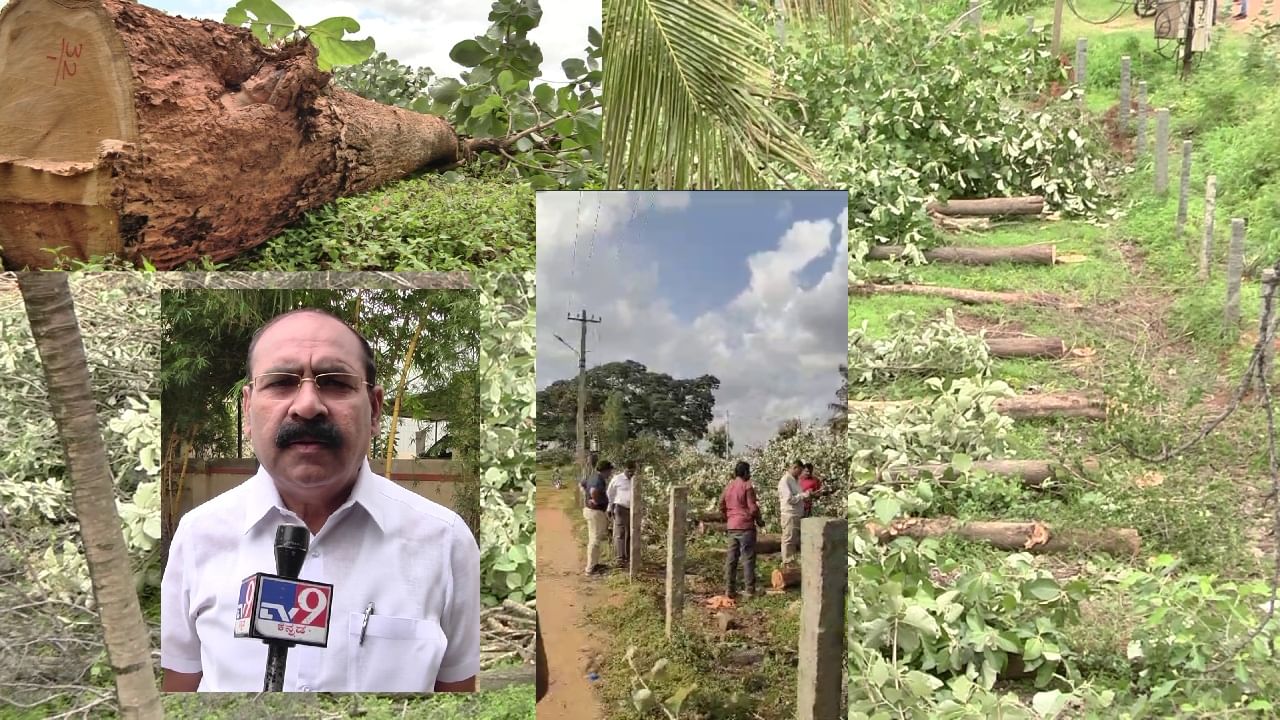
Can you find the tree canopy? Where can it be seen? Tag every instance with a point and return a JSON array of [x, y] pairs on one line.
[[657, 404]]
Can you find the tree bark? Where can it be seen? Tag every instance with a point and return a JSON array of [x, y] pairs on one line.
[[1026, 347], [1024, 205], [57, 336], [1033, 473], [963, 295], [784, 578], [130, 131], [1022, 407], [1015, 536], [1039, 254]]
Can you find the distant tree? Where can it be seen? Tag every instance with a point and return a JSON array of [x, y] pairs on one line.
[[668, 408], [789, 428], [720, 442], [613, 430], [839, 420]]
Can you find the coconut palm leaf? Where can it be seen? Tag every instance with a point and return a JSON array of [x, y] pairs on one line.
[[686, 99], [841, 16]]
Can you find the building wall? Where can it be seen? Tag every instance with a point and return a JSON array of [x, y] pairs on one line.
[[436, 480]]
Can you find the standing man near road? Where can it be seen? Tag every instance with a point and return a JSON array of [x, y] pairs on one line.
[[791, 501], [741, 513], [588, 472], [595, 503], [406, 565], [620, 510]]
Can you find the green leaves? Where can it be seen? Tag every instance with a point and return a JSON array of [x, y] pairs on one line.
[[468, 53], [266, 20], [273, 26]]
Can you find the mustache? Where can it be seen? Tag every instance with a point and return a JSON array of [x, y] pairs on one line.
[[321, 431]]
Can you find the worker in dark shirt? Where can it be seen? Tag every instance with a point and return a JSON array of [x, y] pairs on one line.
[[595, 502], [741, 513], [588, 472]]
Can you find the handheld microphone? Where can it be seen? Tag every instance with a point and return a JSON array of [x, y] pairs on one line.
[[282, 610]]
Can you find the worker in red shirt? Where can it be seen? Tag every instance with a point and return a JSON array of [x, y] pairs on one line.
[[810, 483], [741, 513]]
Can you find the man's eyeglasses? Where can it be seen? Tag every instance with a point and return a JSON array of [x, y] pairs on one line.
[[331, 385]]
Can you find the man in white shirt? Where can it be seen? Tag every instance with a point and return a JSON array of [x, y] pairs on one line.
[[620, 510], [406, 571], [791, 508]]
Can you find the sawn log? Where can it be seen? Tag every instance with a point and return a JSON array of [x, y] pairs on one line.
[[1021, 407], [1039, 254], [1026, 347], [1033, 473], [1024, 205], [963, 295]]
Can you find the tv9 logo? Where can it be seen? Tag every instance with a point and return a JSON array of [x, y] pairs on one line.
[[295, 602]]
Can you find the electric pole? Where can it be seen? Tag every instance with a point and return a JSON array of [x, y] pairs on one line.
[[582, 385]]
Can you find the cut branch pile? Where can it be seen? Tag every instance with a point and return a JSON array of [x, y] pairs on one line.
[[1035, 537], [507, 633]]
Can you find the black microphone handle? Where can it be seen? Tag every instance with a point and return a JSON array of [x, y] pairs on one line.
[[277, 653]]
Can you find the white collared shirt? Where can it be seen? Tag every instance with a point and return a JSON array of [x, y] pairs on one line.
[[414, 559], [789, 501], [619, 491]]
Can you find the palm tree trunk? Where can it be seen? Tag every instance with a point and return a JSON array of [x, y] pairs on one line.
[[57, 335]]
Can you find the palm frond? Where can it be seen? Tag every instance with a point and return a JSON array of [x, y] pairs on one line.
[[841, 16], [686, 99]]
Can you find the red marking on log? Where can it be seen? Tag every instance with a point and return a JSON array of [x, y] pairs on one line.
[[65, 68]]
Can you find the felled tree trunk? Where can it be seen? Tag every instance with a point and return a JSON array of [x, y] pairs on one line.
[[1033, 473], [1015, 536], [784, 578], [1026, 347], [1041, 254], [1025, 205], [126, 130], [963, 295], [1022, 407]]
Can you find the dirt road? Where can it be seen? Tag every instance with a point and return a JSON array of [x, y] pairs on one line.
[[563, 598]]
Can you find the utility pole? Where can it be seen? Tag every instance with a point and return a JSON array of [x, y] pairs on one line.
[[582, 385], [1188, 38]]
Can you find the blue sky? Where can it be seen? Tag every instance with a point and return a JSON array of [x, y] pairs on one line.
[[691, 246], [421, 32], [747, 286]]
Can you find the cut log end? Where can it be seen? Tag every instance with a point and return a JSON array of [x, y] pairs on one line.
[[784, 578]]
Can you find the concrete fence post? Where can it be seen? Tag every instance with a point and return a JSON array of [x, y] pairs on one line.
[[1162, 151], [824, 567], [676, 526], [1184, 189], [1210, 206], [1141, 144], [1235, 270], [637, 526], [1123, 117]]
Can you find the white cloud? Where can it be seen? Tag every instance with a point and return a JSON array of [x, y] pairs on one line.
[[775, 347], [422, 32]]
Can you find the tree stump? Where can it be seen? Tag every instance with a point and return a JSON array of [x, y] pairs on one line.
[[126, 130]]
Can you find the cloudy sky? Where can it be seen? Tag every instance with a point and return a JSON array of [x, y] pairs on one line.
[[747, 286], [421, 32]]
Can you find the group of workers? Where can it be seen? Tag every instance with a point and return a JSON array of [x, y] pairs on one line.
[[607, 497]]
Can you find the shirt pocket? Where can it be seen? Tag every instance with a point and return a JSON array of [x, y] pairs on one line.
[[398, 655]]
